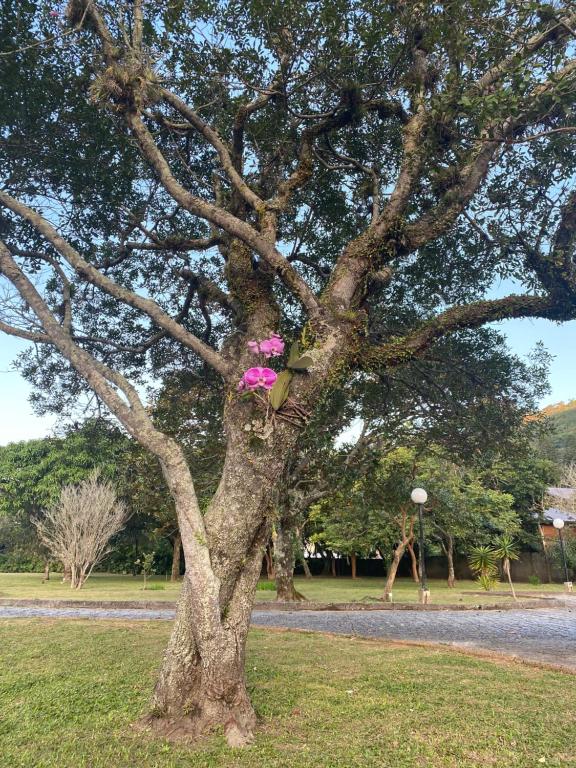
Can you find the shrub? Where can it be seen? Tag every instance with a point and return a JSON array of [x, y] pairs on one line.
[[487, 581]]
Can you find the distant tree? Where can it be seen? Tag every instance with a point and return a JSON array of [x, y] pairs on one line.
[[462, 510], [520, 471], [558, 443], [78, 529], [33, 473]]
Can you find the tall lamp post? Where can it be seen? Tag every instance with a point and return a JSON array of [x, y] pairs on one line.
[[420, 497], [558, 523]]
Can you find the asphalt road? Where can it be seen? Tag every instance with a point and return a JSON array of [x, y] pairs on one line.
[[547, 635]]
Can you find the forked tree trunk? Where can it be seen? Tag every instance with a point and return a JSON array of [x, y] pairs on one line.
[[284, 561], [201, 685], [413, 564], [392, 571], [406, 537], [176, 554]]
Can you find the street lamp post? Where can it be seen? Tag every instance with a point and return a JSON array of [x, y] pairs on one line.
[[558, 523], [419, 497]]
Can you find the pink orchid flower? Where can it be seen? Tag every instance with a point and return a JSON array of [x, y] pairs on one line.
[[259, 377], [272, 347]]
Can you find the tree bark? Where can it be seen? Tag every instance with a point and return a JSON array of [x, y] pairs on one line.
[[303, 558], [406, 539], [449, 548], [285, 560], [46, 576], [201, 685], [177, 546], [506, 569], [546, 555], [413, 563], [353, 565], [270, 574], [392, 571]]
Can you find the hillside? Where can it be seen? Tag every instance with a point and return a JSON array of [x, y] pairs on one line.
[[560, 444]]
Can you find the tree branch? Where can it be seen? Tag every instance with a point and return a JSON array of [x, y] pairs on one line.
[[195, 121], [98, 375], [90, 273], [221, 218], [441, 217], [405, 348], [531, 46]]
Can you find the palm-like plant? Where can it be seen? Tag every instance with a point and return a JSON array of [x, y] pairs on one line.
[[507, 550], [483, 562]]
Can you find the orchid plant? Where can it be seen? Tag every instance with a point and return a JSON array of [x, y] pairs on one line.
[[275, 385]]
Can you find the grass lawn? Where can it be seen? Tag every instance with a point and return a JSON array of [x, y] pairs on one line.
[[71, 689], [324, 589]]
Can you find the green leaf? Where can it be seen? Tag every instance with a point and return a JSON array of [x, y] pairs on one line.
[[295, 353], [301, 363], [279, 392]]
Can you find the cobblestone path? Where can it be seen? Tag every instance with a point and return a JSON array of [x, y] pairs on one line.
[[541, 635]]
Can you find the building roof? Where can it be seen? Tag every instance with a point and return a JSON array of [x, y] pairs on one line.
[[561, 493], [553, 514]]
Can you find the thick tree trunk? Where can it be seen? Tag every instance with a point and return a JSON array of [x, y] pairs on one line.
[[413, 564], [284, 561], [177, 546], [201, 689], [201, 684], [392, 571], [353, 565], [46, 576]]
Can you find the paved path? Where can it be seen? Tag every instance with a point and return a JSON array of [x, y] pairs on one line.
[[540, 635]]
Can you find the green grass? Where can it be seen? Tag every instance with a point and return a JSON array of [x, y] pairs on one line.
[[70, 691], [323, 589], [347, 590]]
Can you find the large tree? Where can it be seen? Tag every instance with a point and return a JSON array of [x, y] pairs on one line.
[[180, 179]]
